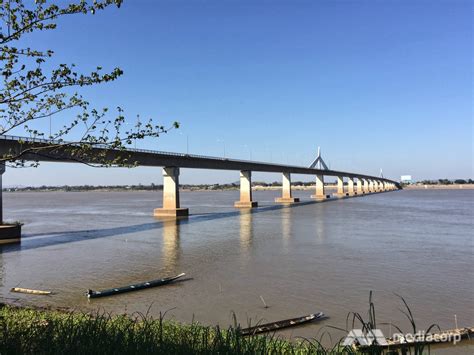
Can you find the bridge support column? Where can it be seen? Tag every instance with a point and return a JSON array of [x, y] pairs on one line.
[[340, 187], [9, 233], [366, 186], [320, 193], [245, 191], [171, 206], [371, 186], [350, 187], [286, 191], [376, 186], [2, 170], [360, 190]]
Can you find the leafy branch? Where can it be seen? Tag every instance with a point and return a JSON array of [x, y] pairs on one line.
[[31, 94]]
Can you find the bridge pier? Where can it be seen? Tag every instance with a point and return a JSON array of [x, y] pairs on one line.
[[286, 191], [366, 186], [376, 186], [340, 187], [371, 186], [245, 191], [171, 206], [320, 193], [360, 190], [350, 187], [9, 233], [2, 170]]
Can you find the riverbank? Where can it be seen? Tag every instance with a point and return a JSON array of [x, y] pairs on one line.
[[28, 331], [158, 188], [54, 331], [440, 187]]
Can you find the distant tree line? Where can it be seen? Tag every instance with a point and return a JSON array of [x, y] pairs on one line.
[[446, 182], [151, 187], [85, 188], [278, 183]]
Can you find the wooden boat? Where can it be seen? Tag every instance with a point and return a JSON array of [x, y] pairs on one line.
[[30, 291], [135, 287], [274, 326]]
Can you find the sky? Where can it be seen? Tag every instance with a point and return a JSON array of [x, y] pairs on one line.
[[375, 84]]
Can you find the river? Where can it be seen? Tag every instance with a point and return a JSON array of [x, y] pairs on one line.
[[301, 259]]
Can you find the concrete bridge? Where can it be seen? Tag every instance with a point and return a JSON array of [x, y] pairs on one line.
[[349, 184]]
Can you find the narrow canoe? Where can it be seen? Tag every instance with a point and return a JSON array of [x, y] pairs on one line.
[[30, 291], [274, 326], [135, 287]]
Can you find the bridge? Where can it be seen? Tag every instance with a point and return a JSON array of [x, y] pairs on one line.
[[349, 184]]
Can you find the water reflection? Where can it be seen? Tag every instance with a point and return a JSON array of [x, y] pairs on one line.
[[286, 227], [246, 231], [171, 250], [320, 224]]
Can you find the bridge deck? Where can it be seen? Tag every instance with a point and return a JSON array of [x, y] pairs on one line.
[[12, 144]]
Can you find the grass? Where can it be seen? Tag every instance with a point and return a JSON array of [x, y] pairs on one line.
[[28, 331], [36, 331], [356, 320]]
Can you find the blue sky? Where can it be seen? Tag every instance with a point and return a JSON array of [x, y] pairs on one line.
[[376, 84]]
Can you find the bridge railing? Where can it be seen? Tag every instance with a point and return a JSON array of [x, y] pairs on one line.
[[135, 150]]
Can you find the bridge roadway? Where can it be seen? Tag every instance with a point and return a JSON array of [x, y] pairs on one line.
[[356, 184]]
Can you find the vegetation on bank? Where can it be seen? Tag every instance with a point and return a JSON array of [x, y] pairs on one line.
[[446, 182], [28, 331], [201, 187], [40, 331], [150, 187], [138, 187]]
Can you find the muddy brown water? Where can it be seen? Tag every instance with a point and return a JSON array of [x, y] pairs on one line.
[[301, 259]]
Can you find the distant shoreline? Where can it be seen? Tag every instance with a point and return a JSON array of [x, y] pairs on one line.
[[159, 189], [440, 187], [187, 188]]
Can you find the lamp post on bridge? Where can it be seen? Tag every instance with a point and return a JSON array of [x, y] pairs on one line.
[[250, 150], [187, 142], [223, 143]]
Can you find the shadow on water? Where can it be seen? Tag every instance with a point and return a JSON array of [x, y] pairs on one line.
[[34, 241]]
